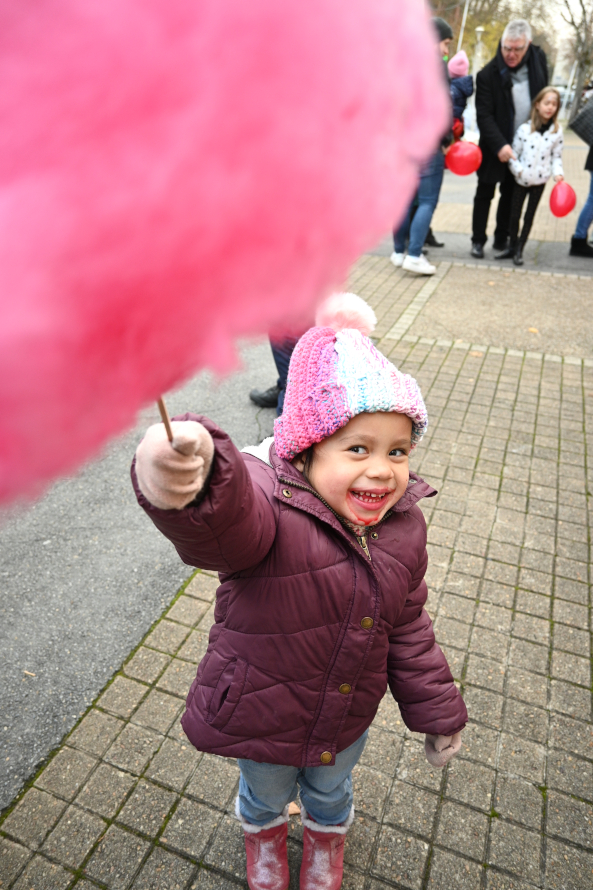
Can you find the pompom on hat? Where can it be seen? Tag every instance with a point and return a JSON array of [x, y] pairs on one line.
[[335, 373]]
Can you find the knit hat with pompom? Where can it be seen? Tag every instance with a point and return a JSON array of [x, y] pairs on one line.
[[336, 373]]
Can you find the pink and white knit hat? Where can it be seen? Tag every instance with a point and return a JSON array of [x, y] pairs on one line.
[[336, 373]]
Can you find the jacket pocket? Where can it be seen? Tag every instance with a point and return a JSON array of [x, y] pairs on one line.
[[227, 693]]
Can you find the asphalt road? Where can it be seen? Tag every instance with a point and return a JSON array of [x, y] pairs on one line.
[[84, 574]]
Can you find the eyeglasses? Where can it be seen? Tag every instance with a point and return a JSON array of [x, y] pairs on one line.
[[513, 49]]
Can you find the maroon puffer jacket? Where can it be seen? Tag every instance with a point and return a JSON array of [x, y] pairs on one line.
[[308, 630]]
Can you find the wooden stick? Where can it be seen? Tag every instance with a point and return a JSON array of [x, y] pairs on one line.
[[165, 418]]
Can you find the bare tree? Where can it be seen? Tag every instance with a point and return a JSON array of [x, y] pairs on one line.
[[579, 15]]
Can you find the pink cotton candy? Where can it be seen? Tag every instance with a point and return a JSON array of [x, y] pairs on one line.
[[176, 173]]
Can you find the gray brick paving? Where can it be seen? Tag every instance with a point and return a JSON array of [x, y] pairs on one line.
[[126, 802]]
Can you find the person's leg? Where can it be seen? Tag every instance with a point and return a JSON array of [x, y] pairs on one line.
[[482, 201], [400, 235], [431, 240], [534, 197], [503, 214], [517, 201], [326, 814], [428, 196], [586, 215], [265, 790], [326, 791], [282, 351], [578, 242]]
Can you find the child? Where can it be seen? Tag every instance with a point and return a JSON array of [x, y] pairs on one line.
[[538, 155], [321, 550], [461, 87]]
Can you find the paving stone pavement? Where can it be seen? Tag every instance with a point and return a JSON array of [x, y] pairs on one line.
[[126, 802]]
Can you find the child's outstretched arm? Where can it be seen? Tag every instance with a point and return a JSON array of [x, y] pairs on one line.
[[200, 494], [420, 679], [171, 474]]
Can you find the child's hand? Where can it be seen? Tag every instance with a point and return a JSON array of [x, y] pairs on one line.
[[558, 178], [439, 749], [171, 474]]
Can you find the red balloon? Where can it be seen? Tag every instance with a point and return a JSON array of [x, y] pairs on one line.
[[463, 158], [562, 199]]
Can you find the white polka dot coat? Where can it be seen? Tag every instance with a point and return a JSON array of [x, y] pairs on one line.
[[539, 155]]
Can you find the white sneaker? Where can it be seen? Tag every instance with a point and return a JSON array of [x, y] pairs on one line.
[[397, 259], [418, 264]]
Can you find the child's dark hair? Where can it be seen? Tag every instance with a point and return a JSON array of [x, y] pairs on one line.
[[536, 120]]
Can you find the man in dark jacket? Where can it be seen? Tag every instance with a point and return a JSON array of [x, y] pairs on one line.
[[505, 88]]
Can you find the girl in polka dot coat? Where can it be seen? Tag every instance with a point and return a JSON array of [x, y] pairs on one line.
[[538, 155]]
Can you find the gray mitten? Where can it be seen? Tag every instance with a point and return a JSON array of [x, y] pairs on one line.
[[171, 474], [439, 749]]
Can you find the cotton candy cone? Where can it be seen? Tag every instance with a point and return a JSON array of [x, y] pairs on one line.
[[175, 174]]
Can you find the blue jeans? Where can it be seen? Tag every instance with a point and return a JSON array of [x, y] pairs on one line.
[[427, 197], [586, 215], [282, 351], [326, 791]]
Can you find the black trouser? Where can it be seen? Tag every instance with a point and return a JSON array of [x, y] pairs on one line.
[[520, 192], [483, 198], [282, 349]]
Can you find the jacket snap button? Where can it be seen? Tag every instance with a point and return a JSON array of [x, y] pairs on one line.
[[287, 492], [326, 757], [367, 623], [345, 688], [374, 535]]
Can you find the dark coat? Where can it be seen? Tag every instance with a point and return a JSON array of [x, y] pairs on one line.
[[308, 630], [495, 111], [589, 160], [461, 89]]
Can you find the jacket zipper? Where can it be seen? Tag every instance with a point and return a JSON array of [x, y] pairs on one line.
[[362, 540]]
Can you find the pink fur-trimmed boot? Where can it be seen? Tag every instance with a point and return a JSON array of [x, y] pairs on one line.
[[267, 859], [322, 867]]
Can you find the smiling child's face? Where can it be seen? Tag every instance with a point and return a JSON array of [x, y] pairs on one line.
[[362, 470]]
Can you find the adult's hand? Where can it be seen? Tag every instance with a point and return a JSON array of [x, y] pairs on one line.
[[506, 153]]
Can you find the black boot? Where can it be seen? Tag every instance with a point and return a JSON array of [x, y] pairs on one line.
[[265, 398], [500, 246], [579, 247], [518, 258], [431, 241], [507, 254], [477, 250]]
